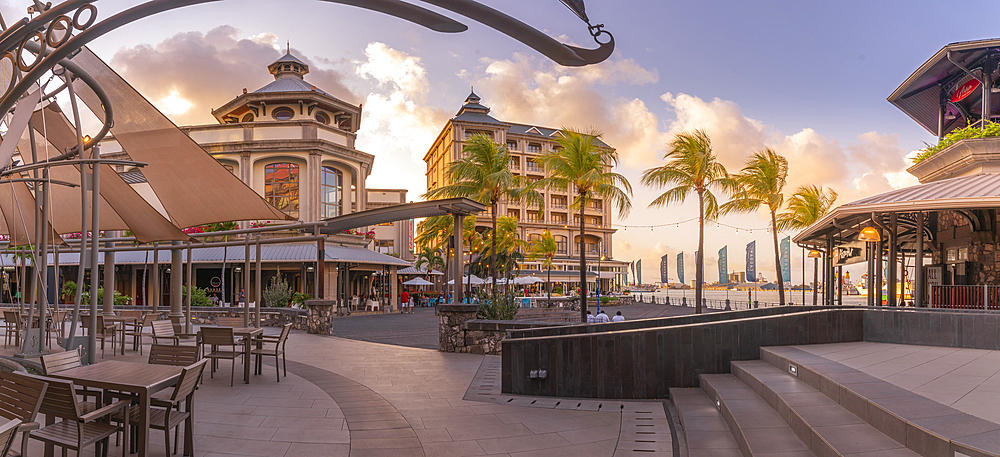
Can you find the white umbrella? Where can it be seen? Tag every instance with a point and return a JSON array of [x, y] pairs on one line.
[[475, 281], [418, 282], [528, 280]]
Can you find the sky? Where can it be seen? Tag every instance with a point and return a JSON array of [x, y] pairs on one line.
[[808, 79]]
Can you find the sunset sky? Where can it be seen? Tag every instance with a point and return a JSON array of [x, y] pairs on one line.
[[808, 79]]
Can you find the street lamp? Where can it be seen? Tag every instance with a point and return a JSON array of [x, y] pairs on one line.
[[599, 253]]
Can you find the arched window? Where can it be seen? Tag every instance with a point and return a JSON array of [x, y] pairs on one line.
[[534, 237], [281, 187], [283, 113], [247, 118], [322, 118], [560, 244], [331, 188]]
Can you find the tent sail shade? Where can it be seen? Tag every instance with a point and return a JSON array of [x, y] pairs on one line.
[[418, 282], [18, 207], [122, 208], [192, 186]]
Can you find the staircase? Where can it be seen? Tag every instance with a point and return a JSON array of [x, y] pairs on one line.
[[793, 403]]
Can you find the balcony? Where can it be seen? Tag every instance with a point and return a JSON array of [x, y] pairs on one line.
[[532, 168]]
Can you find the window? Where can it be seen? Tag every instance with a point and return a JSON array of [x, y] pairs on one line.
[[229, 168], [281, 187], [515, 213], [963, 254], [558, 218], [515, 163], [247, 118], [384, 246], [559, 202], [331, 188], [283, 113], [534, 237], [533, 216], [512, 145], [472, 133], [560, 244], [534, 147], [531, 165], [322, 118]]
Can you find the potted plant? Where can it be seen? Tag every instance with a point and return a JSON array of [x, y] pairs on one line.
[[68, 292]]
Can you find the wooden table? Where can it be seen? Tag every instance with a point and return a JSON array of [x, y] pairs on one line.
[[122, 320], [135, 378], [247, 333]]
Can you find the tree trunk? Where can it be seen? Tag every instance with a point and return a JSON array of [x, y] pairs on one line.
[[583, 260], [548, 284], [699, 274], [493, 251], [777, 260]]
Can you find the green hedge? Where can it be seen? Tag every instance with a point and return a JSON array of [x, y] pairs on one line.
[[992, 129]]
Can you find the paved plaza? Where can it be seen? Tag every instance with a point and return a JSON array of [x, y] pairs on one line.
[[345, 397]]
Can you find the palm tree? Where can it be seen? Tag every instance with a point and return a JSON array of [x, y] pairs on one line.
[[691, 167], [806, 206], [435, 231], [430, 256], [585, 162], [760, 183], [483, 174], [545, 247]]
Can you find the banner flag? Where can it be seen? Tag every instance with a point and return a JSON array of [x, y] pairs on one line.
[[723, 267], [632, 266], [786, 260], [752, 261], [664, 269], [680, 267], [638, 271]]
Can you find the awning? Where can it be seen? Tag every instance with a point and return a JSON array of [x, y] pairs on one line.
[[421, 271], [405, 211], [979, 191]]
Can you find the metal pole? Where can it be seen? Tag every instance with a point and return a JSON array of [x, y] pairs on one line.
[[95, 245], [828, 273], [83, 227], [870, 279], [457, 292], [260, 297], [893, 258], [840, 286], [153, 290], [320, 267], [246, 272], [918, 264], [878, 269], [803, 278], [190, 290]]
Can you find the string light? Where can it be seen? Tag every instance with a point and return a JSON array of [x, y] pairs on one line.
[[677, 225]]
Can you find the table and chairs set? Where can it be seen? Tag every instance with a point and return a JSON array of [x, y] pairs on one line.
[[85, 405]]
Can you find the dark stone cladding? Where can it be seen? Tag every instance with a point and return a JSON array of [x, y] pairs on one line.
[[645, 363], [970, 329]]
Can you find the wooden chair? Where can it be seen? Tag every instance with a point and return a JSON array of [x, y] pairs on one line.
[[58, 323], [216, 337], [180, 356], [164, 330], [135, 330], [12, 327], [79, 428], [277, 351], [8, 432], [167, 413], [62, 361], [20, 399], [104, 331], [233, 322]]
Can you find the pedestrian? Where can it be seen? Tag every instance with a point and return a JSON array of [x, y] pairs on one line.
[[590, 318], [602, 318], [404, 299], [242, 297], [618, 317]]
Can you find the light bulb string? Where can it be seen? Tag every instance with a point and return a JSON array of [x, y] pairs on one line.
[[678, 224]]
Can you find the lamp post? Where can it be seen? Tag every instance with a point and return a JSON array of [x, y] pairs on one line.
[[599, 253], [870, 235], [815, 255]]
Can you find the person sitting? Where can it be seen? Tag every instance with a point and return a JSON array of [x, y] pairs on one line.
[[602, 318], [618, 317], [590, 318]]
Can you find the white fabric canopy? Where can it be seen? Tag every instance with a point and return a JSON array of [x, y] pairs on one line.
[[418, 282], [528, 280], [475, 281]]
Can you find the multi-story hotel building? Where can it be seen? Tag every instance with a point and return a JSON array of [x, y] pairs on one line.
[[526, 143]]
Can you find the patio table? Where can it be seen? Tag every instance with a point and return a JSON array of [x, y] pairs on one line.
[[247, 333], [122, 320], [139, 379]]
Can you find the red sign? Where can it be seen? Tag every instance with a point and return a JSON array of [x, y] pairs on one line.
[[964, 90]]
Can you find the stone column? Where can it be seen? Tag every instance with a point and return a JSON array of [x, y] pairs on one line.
[[320, 316], [176, 276], [451, 321], [109, 279], [393, 289]]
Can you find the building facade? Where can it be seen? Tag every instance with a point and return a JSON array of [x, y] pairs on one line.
[[526, 143]]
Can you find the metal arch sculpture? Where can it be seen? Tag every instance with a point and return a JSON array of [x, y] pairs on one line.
[[52, 33]]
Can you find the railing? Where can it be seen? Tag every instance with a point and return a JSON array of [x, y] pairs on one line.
[[558, 206], [733, 305], [965, 297], [534, 168]]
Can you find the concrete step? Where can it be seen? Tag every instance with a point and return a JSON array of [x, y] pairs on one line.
[[705, 432], [826, 427], [925, 426], [759, 429]]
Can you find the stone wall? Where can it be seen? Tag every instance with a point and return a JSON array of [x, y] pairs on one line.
[[451, 325], [460, 331], [276, 317]]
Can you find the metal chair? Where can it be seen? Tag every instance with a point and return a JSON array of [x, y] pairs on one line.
[[79, 427], [214, 337], [21, 399], [277, 351], [104, 330]]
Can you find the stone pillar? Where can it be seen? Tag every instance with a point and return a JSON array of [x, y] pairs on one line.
[[451, 320], [319, 316], [109, 279], [176, 276], [393, 289]]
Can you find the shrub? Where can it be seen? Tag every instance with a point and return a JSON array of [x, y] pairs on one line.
[[503, 307], [299, 299], [68, 290], [119, 299], [557, 290], [278, 293], [199, 296], [992, 129]]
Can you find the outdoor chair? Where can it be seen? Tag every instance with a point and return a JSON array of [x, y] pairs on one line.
[[80, 427], [164, 330], [222, 337], [62, 361], [167, 413], [135, 330], [179, 356], [58, 323], [12, 327], [20, 399], [104, 331], [277, 351], [8, 432], [373, 305]]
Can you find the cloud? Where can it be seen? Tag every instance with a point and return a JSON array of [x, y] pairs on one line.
[[397, 124], [190, 73]]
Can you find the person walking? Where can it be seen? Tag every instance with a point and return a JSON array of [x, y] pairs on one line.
[[404, 299], [242, 298], [618, 317]]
